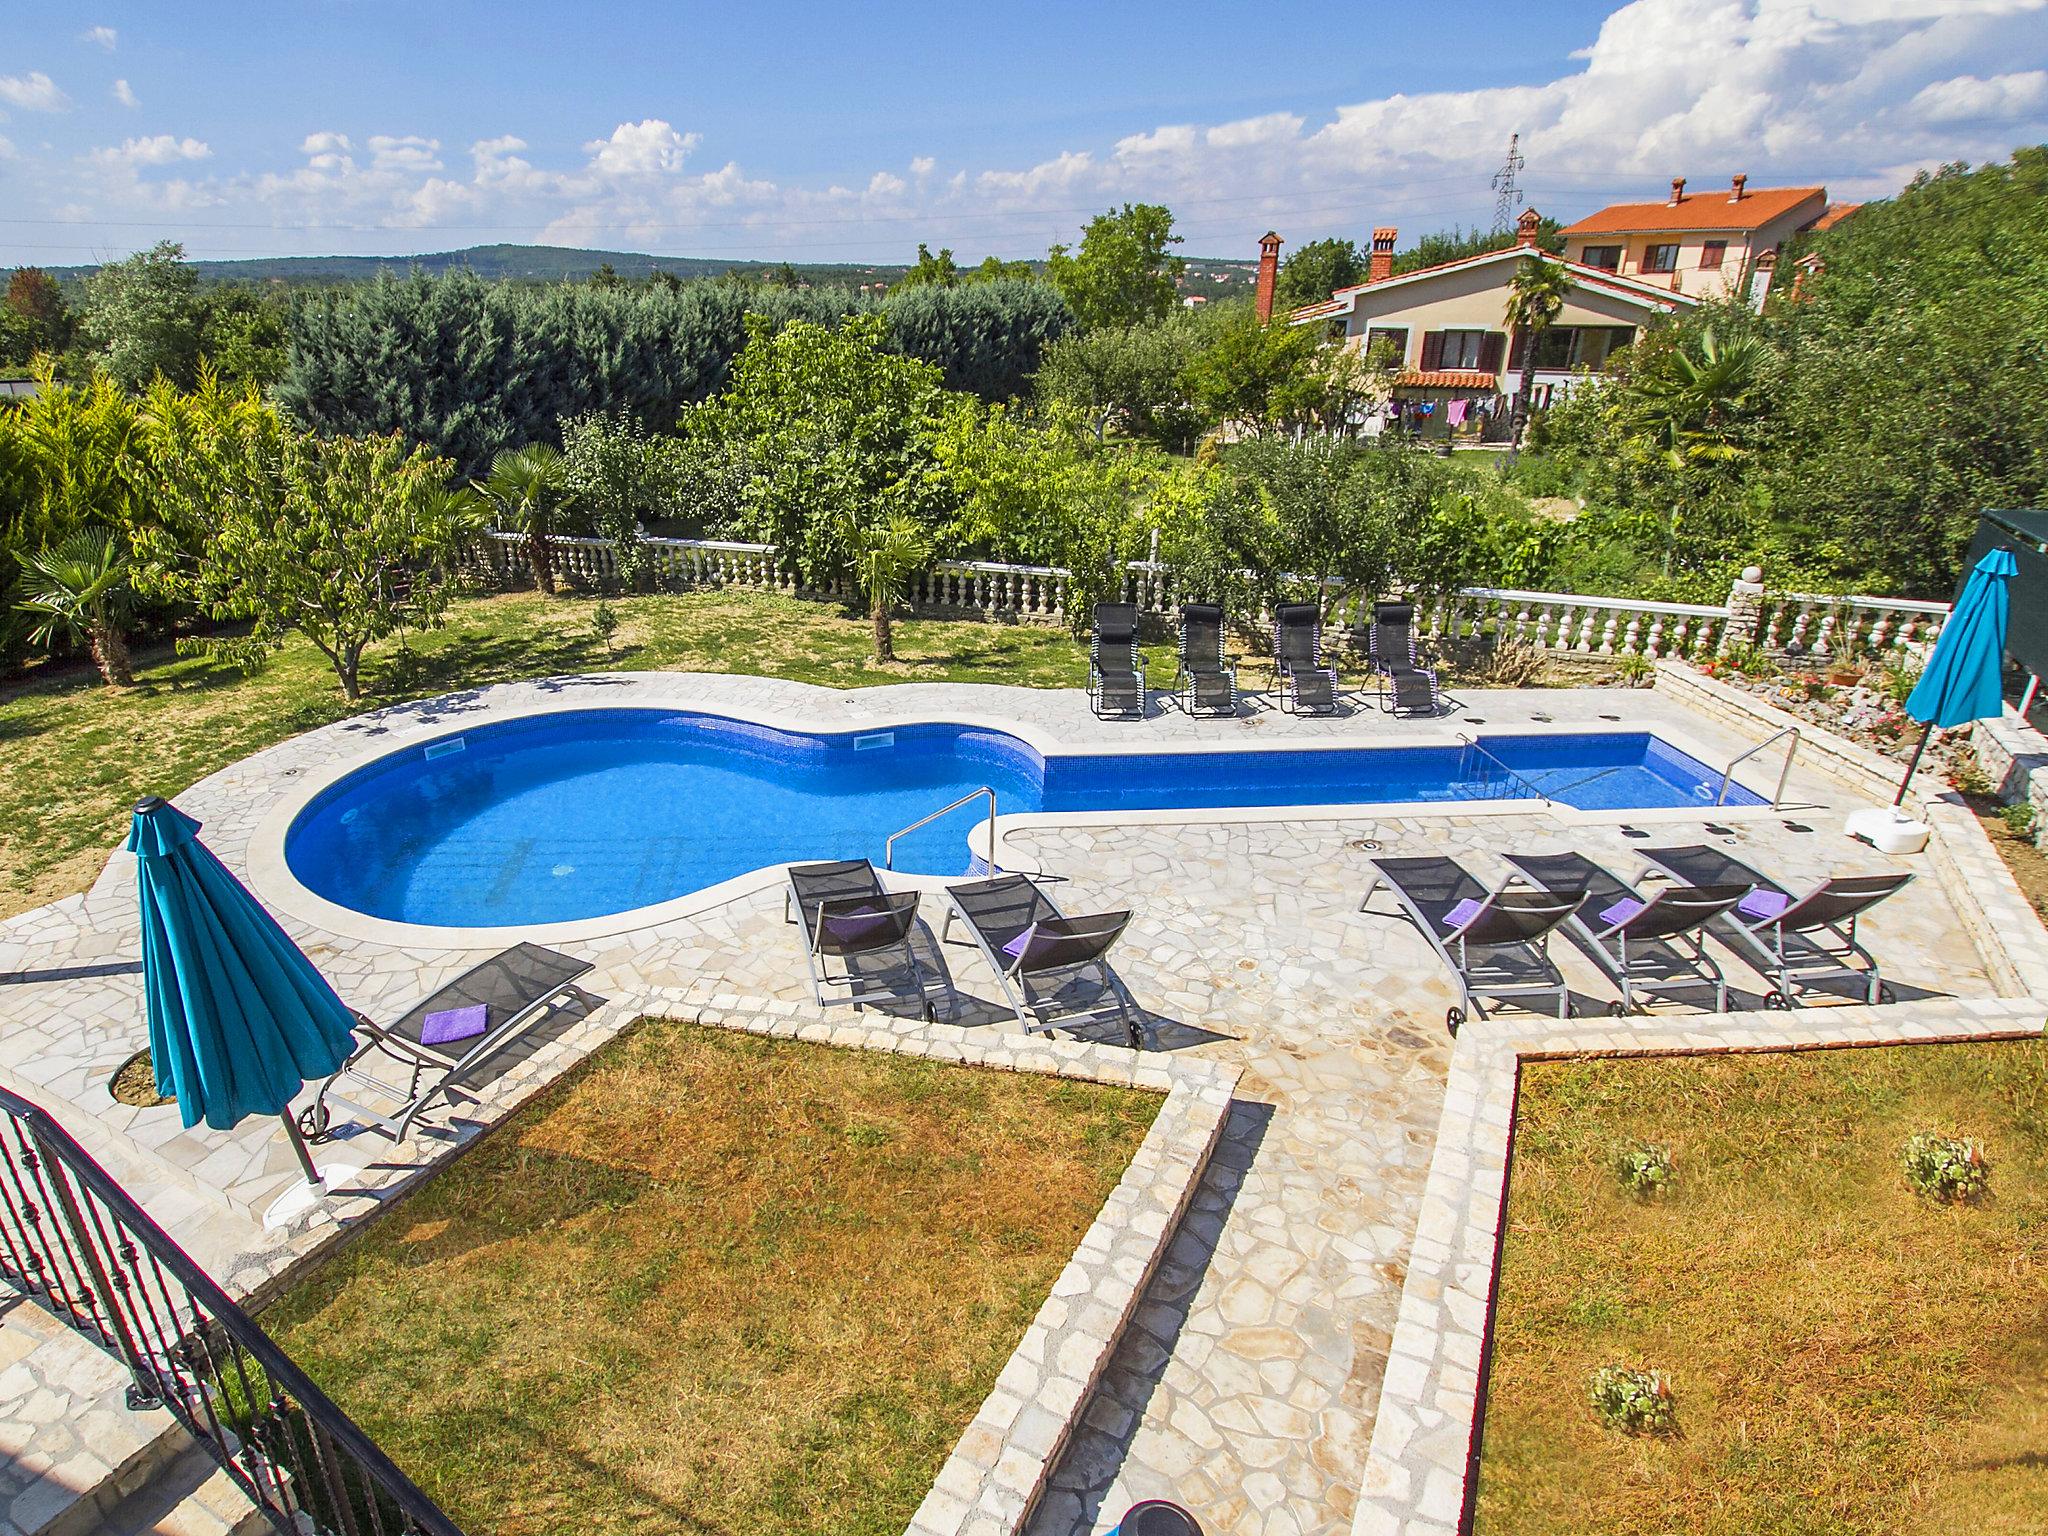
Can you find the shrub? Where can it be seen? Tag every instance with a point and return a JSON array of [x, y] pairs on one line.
[[1644, 1168], [1513, 664], [1950, 1170], [1635, 669], [2019, 818], [1897, 680], [1635, 1402]]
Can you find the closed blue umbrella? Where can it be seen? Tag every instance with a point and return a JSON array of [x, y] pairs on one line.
[[1964, 679], [239, 1019]]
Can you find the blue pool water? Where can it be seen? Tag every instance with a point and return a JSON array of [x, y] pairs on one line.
[[576, 815]]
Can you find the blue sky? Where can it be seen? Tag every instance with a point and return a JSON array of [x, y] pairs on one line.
[[851, 132]]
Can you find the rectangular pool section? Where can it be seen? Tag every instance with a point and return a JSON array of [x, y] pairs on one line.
[[559, 817]]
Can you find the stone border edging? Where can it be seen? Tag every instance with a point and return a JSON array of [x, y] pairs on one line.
[[997, 1471], [1420, 1474]]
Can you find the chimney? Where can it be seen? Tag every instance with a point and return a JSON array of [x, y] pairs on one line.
[[1735, 194], [1269, 273], [1677, 192], [1527, 227], [1380, 264]]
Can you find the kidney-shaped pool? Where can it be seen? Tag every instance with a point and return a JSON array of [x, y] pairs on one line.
[[557, 817]]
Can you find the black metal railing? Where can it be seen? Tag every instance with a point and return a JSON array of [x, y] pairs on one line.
[[72, 1240]]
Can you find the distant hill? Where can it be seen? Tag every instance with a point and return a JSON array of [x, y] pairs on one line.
[[558, 263]]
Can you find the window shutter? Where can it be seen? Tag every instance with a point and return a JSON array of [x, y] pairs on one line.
[[1432, 350], [1489, 352], [1518, 351]]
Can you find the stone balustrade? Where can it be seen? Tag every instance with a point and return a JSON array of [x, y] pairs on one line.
[[1565, 624]]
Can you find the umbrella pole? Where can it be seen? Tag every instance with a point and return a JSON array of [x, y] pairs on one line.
[[1912, 767], [291, 1133]]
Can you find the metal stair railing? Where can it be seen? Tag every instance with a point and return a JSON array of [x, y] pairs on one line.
[[1528, 786], [76, 1243], [889, 847], [1789, 735]]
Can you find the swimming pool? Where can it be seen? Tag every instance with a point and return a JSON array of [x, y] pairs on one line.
[[585, 813]]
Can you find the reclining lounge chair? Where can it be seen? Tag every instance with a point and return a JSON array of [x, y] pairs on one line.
[[1648, 945], [1792, 941], [1308, 684], [1116, 677], [514, 990], [1208, 680], [847, 917], [1406, 687], [1494, 941], [1053, 969]]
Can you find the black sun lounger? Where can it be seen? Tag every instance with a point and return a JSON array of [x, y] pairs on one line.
[[1053, 968], [847, 917], [1308, 683], [1494, 941], [1208, 681], [1647, 944], [1792, 941], [1406, 686], [514, 989], [1116, 676]]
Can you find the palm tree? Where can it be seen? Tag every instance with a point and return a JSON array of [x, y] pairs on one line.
[[885, 556], [1693, 397], [1535, 298], [80, 588], [528, 486]]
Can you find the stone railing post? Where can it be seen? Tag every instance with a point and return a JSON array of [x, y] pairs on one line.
[[1745, 609]]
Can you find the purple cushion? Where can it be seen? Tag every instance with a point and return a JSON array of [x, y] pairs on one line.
[[1621, 911], [448, 1025], [1015, 948], [1462, 913], [1763, 905], [857, 924]]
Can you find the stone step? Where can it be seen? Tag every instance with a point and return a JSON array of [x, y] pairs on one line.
[[189, 1496]]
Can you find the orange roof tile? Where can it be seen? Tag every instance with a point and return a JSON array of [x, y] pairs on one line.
[[1835, 214], [1446, 378], [1697, 210]]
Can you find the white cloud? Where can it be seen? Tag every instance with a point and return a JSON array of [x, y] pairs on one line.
[[922, 166], [407, 152], [7, 149], [1970, 98], [33, 92], [648, 148], [886, 184], [124, 93], [100, 37], [318, 144], [158, 149]]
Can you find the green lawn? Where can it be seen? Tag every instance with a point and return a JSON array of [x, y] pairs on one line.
[[79, 755], [711, 1282], [1846, 1357]]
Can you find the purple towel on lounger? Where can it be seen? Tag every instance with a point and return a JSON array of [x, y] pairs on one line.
[[857, 925], [449, 1025], [1763, 905], [1621, 911], [1462, 913]]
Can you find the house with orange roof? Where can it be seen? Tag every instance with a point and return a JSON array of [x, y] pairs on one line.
[[1445, 329], [1705, 244]]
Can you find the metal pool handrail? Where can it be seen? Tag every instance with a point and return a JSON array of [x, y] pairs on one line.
[[1485, 752], [1785, 773], [889, 847]]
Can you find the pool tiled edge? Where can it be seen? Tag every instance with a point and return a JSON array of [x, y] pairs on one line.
[[1421, 1470]]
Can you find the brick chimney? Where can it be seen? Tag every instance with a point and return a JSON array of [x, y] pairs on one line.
[[1379, 264], [1269, 274], [1677, 192], [1736, 193], [1527, 228]]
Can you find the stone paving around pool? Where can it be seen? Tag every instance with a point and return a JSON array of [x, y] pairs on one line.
[[1248, 1379]]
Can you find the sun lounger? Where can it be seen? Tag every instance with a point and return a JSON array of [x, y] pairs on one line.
[[1116, 677], [1208, 680], [1494, 941], [1646, 944], [1053, 969], [1792, 941], [513, 990], [1406, 687], [1308, 684], [847, 917]]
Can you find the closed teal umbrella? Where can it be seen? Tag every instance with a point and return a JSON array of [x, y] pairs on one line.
[[1964, 679], [239, 1019]]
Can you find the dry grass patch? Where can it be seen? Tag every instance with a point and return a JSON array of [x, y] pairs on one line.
[[713, 1282], [1846, 1357]]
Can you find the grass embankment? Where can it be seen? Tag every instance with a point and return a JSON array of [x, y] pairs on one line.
[[713, 1282], [78, 755], [1846, 1357]]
